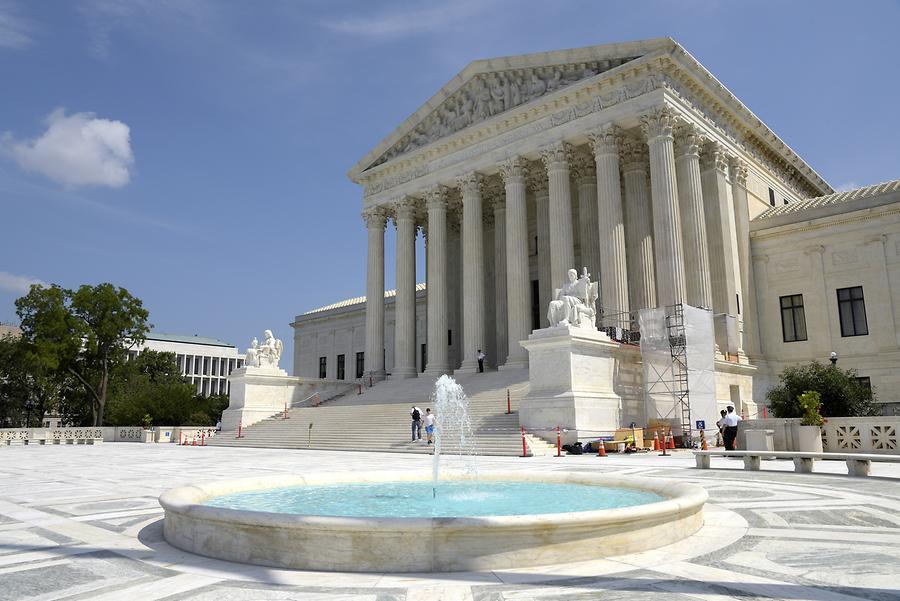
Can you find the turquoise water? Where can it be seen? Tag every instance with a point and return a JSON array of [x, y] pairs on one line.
[[453, 499]]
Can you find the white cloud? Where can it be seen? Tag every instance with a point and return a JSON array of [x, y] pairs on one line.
[[15, 31], [19, 284], [77, 150], [399, 23]]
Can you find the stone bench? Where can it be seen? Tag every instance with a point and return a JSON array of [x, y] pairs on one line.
[[50, 441], [858, 464]]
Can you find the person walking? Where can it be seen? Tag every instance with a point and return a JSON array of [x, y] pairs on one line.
[[416, 415], [429, 425], [731, 420], [480, 361]]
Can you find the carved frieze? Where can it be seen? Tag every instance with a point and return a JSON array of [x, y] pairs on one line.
[[489, 94]]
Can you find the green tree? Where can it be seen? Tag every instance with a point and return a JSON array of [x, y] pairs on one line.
[[28, 387], [150, 384], [86, 333], [842, 395]]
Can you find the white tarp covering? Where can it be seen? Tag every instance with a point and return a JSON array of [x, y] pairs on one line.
[[660, 385]]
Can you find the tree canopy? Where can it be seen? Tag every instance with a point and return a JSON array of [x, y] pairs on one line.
[[842, 393]]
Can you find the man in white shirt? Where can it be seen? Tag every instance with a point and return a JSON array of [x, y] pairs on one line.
[[480, 356], [429, 426], [730, 420]]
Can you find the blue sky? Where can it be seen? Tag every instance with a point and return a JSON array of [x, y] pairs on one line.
[[195, 151]]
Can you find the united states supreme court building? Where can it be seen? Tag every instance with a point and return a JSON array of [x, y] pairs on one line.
[[632, 164]]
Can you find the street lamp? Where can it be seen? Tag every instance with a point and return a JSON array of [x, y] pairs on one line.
[[833, 359]]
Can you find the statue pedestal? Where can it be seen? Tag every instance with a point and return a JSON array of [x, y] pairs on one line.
[[257, 393], [571, 375]]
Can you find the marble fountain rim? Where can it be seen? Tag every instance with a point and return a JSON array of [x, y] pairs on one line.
[[679, 498]]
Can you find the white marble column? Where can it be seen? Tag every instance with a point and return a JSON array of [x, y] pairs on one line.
[[537, 182], [584, 173], [669, 258], [376, 219], [698, 289], [501, 305], [473, 271], [405, 301], [751, 337], [638, 226], [437, 255], [611, 220], [518, 285], [723, 276], [562, 245]]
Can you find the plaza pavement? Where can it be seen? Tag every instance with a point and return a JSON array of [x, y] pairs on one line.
[[84, 523]]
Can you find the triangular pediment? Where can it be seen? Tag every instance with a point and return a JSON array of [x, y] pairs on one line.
[[487, 88]]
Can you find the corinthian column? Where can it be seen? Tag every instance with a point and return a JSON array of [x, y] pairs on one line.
[[500, 283], [638, 226], [438, 322], [473, 271], [584, 173], [657, 126], [562, 248], [405, 302], [720, 219], [376, 219], [742, 226], [698, 290], [614, 276], [518, 286], [537, 183]]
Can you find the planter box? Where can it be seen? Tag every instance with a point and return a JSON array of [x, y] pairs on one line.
[[809, 439]]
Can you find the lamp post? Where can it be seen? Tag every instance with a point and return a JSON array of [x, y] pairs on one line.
[[833, 359]]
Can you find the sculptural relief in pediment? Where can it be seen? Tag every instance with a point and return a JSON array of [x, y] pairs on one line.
[[489, 94]]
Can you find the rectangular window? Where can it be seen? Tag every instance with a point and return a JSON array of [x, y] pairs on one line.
[[737, 299], [865, 382], [852, 311], [340, 367], [535, 305], [206, 366], [449, 337], [424, 354], [215, 366], [793, 319], [179, 361], [240, 363], [771, 197], [230, 367], [322, 364], [360, 364], [198, 365]]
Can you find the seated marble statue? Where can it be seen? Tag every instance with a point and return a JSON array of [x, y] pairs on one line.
[[267, 354], [574, 303]]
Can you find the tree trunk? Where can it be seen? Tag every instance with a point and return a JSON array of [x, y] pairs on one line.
[[101, 400]]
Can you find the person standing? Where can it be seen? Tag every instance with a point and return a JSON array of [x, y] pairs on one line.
[[429, 425], [731, 420], [720, 424], [416, 415], [480, 361]]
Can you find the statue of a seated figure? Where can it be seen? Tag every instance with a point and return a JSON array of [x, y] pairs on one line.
[[574, 303], [267, 354]]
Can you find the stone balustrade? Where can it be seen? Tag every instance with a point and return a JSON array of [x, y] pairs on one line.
[[874, 435]]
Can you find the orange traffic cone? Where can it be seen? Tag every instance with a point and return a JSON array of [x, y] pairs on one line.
[[656, 446], [670, 441], [601, 450]]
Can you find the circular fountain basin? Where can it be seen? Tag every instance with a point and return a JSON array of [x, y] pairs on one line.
[[421, 543]]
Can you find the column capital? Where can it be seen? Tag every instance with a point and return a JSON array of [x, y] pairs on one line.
[[815, 249], [714, 157], [514, 169], [633, 154], [658, 122], [470, 183], [605, 139], [375, 217], [556, 156], [583, 168], [739, 171], [536, 179], [436, 197], [688, 140], [405, 208]]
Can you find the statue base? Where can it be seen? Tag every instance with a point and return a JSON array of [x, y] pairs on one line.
[[256, 394], [571, 375]]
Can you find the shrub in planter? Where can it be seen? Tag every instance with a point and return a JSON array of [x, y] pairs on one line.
[[842, 395], [811, 404]]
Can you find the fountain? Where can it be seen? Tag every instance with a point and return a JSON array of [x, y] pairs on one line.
[[458, 519]]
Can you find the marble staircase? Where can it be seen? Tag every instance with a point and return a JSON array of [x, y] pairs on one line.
[[378, 419]]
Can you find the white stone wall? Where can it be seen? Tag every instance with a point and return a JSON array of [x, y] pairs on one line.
[[816, 255]]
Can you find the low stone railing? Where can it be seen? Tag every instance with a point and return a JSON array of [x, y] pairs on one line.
[[878, 435], [107, 433]]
